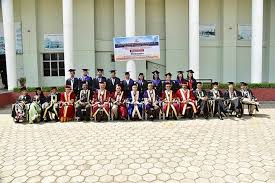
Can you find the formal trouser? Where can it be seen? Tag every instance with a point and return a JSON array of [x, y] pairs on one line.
[[235, 105], [219, 107], [203, 107], [79, 111], [152, 110]]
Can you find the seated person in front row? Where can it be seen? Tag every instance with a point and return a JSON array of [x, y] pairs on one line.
[[101, 103], [84, 103], [51, 105], [170, 105], [233, 100], [249, 99], [35, 110], [119, 109], [187, 101], [151, 102], [36, 107], [202, 101], [67, 110], [217, 101], [21, 107], [135, 103]]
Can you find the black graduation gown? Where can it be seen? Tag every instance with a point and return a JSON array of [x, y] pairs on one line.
[[192, 82], [75, 84], [203, 107], [219, 103], [233, 104], [110, 86], [85, 79], [127, 87], [142, 86], [96, 82], [174, 88]]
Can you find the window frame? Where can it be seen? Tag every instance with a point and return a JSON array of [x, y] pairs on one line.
[[50, 61]]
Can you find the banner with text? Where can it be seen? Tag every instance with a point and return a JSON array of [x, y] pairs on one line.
[[137, 48]]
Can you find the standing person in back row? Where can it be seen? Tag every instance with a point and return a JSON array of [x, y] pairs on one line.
[[112, 82], [99, 78], [157, 83], [127, 84], [192, 83], [168, 79], [85, 78], [73, 81]]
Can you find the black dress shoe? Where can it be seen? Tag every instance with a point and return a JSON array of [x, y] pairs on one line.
[[221, 118]]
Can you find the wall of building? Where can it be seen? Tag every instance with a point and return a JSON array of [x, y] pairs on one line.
[[96, 22]]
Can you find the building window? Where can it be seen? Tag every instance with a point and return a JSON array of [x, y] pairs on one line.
[[53, 64]]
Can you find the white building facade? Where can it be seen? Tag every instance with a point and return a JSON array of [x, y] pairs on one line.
[[219, 39]]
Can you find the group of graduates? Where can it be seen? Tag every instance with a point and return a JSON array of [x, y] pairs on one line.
[[103, 99]]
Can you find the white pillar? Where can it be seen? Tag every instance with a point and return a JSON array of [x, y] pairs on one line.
[[68, 35], [257, 41], [10, 48], [194, 39], [130, 31]]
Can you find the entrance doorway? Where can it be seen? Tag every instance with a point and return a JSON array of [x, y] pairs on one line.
[[3, 72]]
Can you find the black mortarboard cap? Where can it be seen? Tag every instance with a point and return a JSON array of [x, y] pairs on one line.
[[71, 70], [244, 83], [190, 71], [168, 74], [155, 72]]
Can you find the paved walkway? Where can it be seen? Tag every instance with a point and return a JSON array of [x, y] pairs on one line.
[[233, 150]]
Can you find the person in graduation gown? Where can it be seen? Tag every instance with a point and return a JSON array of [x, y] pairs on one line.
[[127, 84], [217, 101], [112, 82], [51, 106], [186, 99], [99, 78], [35, 110], [101, 103], [168, 79], [249, 99], [119, 109], [170, 102], [180, 80], [37, 106], [157, 83], [142, 84], [202, 100], [84, 100], [67, 107], [85, 78], [151, 101], [135, 104], [233, 100], [21, 107], [192, 82], [73, 81]]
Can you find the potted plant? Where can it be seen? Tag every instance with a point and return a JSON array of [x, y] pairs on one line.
[[22, 81]]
